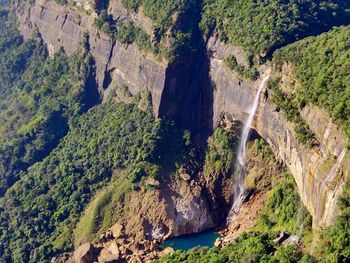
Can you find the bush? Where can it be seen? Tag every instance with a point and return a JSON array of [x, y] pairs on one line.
[[284, 210], [288, 103], [220, 154], [335, 240], [248, 73]]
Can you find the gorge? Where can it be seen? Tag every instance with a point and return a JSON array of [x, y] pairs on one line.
[[208, 133]]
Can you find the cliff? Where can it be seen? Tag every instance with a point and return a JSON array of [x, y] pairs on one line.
[[195, 92], [309, 166], [65, 27]]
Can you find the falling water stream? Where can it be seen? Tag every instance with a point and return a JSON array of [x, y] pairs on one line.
[[239, 184]]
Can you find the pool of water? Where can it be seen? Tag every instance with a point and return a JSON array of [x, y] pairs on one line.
[[205, 239]]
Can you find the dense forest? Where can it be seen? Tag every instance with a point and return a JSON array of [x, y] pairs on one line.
[[103, 139], [36, 106], [264, 25], [321, 65]]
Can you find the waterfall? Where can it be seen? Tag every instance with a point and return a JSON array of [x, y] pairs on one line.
[[239, 184]]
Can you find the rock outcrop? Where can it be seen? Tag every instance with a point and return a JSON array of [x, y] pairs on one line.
[[234, 96], [148, 217], [65, 27]]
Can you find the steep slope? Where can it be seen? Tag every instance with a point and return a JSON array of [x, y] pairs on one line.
[[32, 121], [191, 82], [234, 95]]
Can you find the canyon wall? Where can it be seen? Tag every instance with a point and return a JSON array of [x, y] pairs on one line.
[[312, 168], [65, 27], [196, 91]]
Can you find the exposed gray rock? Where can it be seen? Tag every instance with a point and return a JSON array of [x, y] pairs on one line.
[[65, 27], [234, 96]]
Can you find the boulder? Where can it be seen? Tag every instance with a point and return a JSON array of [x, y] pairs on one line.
[[166, 251], [116, 230], [106, 256], [218, 242], [114, 249], [152, 182], [295, 240], [185, 176], [86, 253]]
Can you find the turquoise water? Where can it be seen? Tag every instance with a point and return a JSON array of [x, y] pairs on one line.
[[205, 239]]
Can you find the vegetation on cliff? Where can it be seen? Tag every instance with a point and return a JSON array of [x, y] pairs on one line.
[[220, 153], [290, 106], [284, 210], [264, 25], [245, 72], [126, 33], [321, 66], [335, 241], [170, 39], [38, 98]]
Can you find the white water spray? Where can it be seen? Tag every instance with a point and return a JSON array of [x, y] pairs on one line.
[[239, 184]]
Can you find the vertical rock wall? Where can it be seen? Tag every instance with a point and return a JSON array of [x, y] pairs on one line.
[[309, 167]]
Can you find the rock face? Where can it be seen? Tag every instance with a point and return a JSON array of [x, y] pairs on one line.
[[65, 27], [149, 216], [176, 87], [195, 91], [308, 166]]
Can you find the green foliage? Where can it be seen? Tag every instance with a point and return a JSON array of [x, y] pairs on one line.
[[289, 105], [130, 33], [173, 39], [160, 11], [220, 153], [284, 210], [264, 149], [252, 247], [248, 73], [175, 147], [105, 138], [101, 213], [126, 33], [321, 66], [335, 240], [105, 22], [38, 97], [264, 25]]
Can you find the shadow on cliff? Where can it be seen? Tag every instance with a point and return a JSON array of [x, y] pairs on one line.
[[188, 99], [188, 93]]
